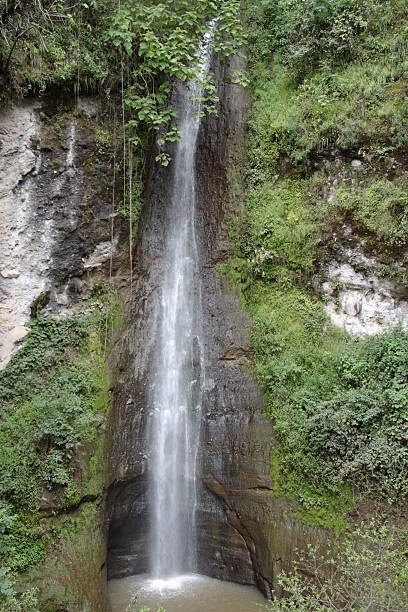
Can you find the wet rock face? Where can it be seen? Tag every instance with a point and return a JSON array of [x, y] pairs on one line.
[[235, 447], [244, 534], [236, 440], [53, 214]]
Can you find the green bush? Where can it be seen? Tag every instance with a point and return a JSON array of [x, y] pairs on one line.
[[365, 570], [11, 601], [54, 397], [328, 74], [329, 82], [381, 207], [341, 419], [338, 31], [47, 415], [132, 47], [278, 236]]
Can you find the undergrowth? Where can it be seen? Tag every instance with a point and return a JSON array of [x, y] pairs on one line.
[[329, 85], [363, 570], [55, 397]]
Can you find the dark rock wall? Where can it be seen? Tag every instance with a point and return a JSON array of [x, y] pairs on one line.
[[235, 439], [131, 360], [245, 535]]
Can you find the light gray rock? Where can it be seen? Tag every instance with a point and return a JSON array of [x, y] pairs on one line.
[[364, 304], [102, 253], [25, 248], [54, 215]]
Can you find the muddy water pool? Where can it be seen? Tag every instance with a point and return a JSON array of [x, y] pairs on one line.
[[190, 593]]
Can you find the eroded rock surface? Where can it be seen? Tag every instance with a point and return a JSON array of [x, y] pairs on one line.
[[356, 297], [25, 242], [55, 213]]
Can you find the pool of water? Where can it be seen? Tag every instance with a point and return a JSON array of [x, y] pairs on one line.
[[190, 593]]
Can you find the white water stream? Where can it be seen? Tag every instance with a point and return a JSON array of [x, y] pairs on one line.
[[175, 401], [178, 376]]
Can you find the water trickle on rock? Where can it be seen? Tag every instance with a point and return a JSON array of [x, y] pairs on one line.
[[178, 370]]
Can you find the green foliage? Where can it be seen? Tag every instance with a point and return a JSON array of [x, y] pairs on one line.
[[353, 108], [11, 601], [329, 81], [291, 342], [54, 397], [330, 74], [277, 235], [340, 407], [136, 47], [54, 43], [45, 348], [361, 427], [381, 207], [339, 31], [23, 540], [164, 38], [317, 504], [365, 570], [314, 28]]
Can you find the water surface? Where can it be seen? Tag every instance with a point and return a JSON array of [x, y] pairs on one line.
[[189, 593]]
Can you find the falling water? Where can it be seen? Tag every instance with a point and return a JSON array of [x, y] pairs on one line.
[[178, 376]]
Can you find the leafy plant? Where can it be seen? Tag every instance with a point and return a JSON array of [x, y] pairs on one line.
[[54, 397], [327, 88], [327, 78], [364, 570], [132, 47], [381, 207]]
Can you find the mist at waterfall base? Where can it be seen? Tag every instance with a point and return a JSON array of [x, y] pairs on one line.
[[189, 593], [178, 376]]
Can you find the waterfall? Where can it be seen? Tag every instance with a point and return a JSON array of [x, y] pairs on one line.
[[178, 370]]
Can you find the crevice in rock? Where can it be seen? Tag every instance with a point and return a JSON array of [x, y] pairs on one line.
[[236, 354], [235, 521], [51, 511]]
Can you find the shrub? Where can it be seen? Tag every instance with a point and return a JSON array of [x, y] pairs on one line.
[[347, 421], [381, 207], [328, 74], [54, 396], [280, 241], [329, 85], [365, 570]]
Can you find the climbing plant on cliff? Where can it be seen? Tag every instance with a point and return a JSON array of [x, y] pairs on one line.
[[158, 43], [92, 45]]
